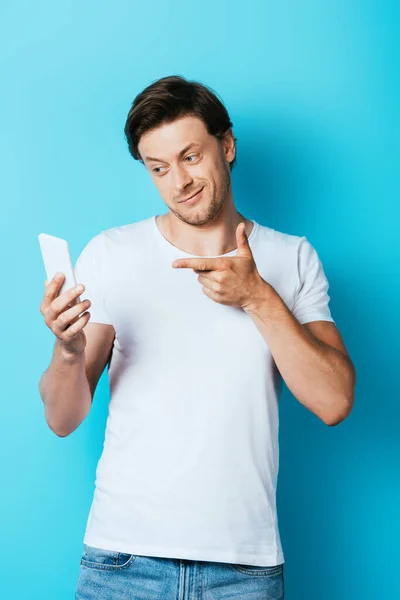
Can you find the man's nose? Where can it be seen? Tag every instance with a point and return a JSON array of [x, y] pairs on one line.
[[181, 178]]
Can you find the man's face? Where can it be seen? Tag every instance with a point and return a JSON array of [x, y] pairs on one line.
[[189, 159]]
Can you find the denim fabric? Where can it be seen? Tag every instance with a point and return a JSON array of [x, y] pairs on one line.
[[105, 574]]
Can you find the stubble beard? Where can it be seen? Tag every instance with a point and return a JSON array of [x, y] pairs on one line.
[[209, 212]]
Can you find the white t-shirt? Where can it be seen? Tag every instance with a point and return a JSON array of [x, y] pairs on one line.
[[190, 460]]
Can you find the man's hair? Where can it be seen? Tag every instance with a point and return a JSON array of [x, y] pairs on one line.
[[171, 98]]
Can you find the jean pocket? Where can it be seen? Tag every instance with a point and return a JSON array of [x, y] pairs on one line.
[[268, 571], [98, 558]]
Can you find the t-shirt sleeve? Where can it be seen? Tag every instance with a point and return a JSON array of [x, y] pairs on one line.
[[311, 300], [89, 270]]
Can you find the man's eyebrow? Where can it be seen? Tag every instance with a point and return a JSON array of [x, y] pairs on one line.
[[181, 153]]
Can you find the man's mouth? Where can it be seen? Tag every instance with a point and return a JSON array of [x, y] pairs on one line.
[[192, 197]]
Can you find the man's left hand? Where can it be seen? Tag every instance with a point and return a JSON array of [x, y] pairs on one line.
[[231, 280]]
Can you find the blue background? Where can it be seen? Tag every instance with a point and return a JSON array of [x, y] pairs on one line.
[[312, 89]]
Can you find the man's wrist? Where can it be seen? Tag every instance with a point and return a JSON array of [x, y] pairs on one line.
[[69, 356], [263, 295]]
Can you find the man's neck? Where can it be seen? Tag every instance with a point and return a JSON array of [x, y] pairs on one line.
[[211, 242]]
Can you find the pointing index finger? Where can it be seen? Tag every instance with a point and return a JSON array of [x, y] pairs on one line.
[[201, 264]]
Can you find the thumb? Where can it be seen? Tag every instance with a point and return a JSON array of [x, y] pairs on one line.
[[243, 247]]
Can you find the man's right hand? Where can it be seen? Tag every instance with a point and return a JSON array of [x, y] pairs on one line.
[[61, 315]]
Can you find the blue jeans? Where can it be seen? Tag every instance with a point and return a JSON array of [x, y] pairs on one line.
[[109, 575]]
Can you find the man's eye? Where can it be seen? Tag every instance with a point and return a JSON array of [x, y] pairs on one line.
[[157, 169]]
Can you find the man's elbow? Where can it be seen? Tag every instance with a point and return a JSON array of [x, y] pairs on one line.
[[341, 408], [58, 432], [341, 412]]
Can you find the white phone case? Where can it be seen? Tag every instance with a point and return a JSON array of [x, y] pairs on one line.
[[56, 257]]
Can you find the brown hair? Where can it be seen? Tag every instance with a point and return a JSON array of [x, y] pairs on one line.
[[171, 98]]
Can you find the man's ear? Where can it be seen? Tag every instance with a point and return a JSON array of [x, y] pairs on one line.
[[229, 145]]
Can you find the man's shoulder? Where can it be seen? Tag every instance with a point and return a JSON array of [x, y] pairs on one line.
[[277, 255], [280, 240], [120, 238], [127, 232]]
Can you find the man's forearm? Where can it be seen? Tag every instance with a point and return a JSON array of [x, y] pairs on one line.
[[319, 376], [65, 391]]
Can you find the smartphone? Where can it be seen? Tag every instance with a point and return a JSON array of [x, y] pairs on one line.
[[56, 257]]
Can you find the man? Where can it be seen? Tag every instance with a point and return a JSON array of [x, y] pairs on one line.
[[199, 314]]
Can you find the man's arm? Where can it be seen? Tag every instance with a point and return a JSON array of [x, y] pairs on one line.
[[311, 358], [81, 351], [67, 387]]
